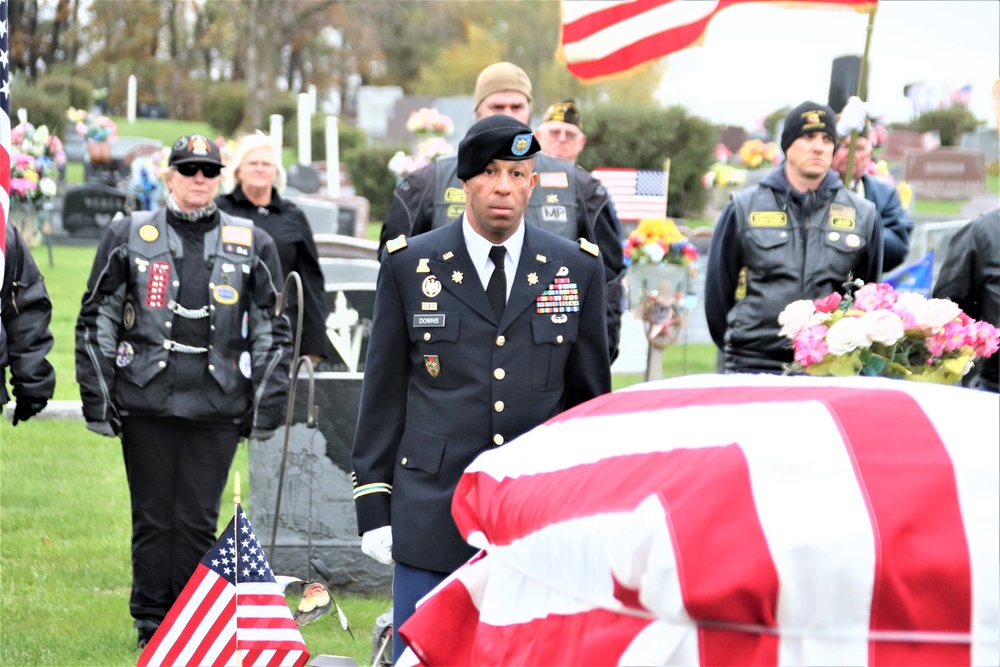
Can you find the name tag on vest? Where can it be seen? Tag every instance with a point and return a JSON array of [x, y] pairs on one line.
[[425, 321]]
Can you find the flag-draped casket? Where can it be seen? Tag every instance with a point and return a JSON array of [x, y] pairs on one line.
[[733, 520]]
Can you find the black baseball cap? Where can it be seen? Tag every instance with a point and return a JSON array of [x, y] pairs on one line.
[[195, 148]]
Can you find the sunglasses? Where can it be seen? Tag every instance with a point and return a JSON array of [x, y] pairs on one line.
[[191, 169]]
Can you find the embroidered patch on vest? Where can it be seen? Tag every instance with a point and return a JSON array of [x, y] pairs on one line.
[[768, 219]]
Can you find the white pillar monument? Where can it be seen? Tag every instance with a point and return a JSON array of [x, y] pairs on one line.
[[332, 157], [131, 98], [304, 125]]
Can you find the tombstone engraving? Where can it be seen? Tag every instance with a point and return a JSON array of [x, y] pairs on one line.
[[316, 517], [89, 209], [946, 173]]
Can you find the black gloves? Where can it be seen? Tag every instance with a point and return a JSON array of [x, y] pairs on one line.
[[27, 407]]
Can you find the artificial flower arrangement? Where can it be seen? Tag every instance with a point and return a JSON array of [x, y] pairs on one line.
[[658, 241], [145, 183], [430, 126], [36, 158], [429, 121], [755, 153], [93, 128], [878, 331]]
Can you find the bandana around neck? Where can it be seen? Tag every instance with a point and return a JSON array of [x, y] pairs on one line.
[[205, 211]]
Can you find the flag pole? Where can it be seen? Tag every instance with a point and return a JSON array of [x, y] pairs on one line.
[[862, 84], [236, 561]]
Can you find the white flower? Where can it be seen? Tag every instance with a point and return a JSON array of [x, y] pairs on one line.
[[655, 251], [846, 335], [882, 326], [938, 312], [48, 187], [795, 317]]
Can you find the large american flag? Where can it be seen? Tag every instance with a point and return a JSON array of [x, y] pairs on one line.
[[726, 519], [636, 194], [231, 612], [5, 142], [602, 38]]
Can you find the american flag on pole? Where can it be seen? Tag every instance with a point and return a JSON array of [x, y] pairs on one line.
[[733, 520], [602, 38], [231, 612], [5, 141], [636, 194]]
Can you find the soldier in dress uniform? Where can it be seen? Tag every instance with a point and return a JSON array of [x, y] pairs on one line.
[[482, 330], [567, 200]]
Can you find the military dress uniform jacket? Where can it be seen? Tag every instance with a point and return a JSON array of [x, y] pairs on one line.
[[567, 201], [130, 359], [773, 246], [25, 313], [445, 381]]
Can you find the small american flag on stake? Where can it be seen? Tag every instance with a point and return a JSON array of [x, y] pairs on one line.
[[636, 194], [231, 612], [5, 142]]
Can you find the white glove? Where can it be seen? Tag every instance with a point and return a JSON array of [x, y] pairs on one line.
[[852, 117], [378, 544]]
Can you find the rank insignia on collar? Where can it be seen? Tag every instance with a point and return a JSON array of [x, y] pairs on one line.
[[563, 271], [422, 266], [552, 199], [456, 277], [540, 258], [448, 255], [532, 278], [433, 365]]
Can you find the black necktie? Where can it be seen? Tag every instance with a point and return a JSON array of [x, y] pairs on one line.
[[496, 289]]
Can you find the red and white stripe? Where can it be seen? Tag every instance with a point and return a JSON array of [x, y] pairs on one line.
[[602, 38], [621, 184], [733, 520]]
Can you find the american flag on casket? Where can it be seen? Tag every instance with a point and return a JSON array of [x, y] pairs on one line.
[[733, 520]]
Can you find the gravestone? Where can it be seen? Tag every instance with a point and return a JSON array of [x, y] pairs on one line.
[[303, 178], [898, 143], [73, 144], [985, 139], [733, 138], [317, 496], [946, 173], [352, 213], [322, 216], [146, 110], [88, 209]]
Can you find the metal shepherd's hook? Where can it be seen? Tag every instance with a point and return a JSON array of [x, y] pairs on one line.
[[311, 420]]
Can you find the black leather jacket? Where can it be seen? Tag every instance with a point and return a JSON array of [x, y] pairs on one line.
[[774, 245], [25, 313]]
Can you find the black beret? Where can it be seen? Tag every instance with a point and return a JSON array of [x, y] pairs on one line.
[[497, 137], [805, 118]]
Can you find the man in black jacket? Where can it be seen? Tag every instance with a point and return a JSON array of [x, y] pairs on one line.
[[798, 234], [25, 339]]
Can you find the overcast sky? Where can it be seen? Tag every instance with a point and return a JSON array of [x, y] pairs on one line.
[[759, 58]]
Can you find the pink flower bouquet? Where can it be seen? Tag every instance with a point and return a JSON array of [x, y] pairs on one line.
[[881, 332]]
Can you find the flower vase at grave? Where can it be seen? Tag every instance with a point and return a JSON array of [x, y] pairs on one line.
[[663, 278], [100, 152], [25, 218]]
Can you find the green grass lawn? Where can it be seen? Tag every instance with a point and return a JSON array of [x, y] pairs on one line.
[[64, 516]]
